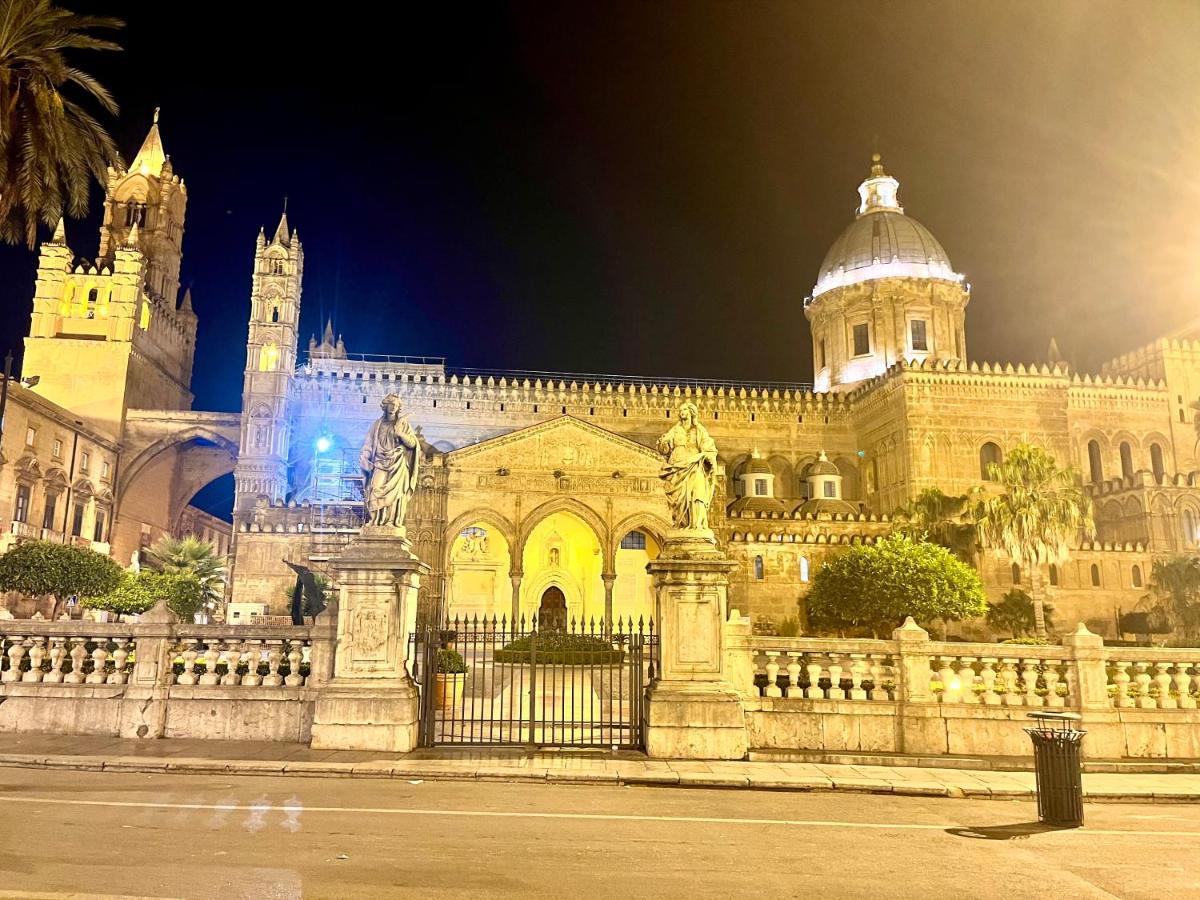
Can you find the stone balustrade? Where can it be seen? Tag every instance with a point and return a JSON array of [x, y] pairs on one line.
[[914, 695], [815, 668], [161, 678], [1153, 678]]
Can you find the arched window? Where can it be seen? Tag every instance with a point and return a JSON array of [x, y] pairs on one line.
[[1095, 575], [1137, 576], [275, 313], [1095, 463], [1126, 460], [804, 569], [1156, 462], [1189, 528], [1016, 574], [268, 358], [1053, 575], [989, 455], [758, 568], [635, 540]]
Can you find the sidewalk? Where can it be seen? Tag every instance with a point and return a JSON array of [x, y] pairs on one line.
[[195, 757]]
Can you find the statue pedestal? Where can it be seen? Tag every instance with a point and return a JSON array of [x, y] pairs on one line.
[[693, 712], [371, 702]]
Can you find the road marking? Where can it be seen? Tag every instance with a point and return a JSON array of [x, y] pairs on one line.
[[584, 817]]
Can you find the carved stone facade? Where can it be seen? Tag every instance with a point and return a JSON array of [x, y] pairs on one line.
[[538, 492]]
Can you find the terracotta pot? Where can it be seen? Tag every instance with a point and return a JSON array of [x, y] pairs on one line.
[[447, 688]]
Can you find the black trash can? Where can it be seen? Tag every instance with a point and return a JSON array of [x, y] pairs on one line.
[[1057, 760]]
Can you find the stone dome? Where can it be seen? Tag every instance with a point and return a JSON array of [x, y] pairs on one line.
[[882, 241], [822, 466], [756, 465]]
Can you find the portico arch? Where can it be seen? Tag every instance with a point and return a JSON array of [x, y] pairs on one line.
[[564, 550], [162, 476]]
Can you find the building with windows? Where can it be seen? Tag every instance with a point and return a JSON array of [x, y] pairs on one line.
[[539, 494]]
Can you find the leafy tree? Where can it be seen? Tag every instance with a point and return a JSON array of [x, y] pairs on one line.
[[192, 556], [1175, 593], [942, 519], [139, 591], [37, 568], [50, 144], [1016, 614], [1038, 514], [876, 585]]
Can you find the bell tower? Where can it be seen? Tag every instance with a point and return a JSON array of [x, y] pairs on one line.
[[271, 348], [109, 334]]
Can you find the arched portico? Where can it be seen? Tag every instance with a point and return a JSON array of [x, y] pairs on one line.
[[170, 456]]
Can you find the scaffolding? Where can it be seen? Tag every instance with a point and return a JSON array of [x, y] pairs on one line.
[[337, 511]]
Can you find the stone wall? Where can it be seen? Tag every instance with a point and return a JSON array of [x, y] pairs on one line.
[[916, 696]]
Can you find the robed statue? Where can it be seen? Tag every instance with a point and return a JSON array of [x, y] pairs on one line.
[[390, 457], [690, 470]]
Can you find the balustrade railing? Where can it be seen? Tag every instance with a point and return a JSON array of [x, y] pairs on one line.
[[1080, 673], [817, 669], [1153, 679], [90, 653], [35, 652], [1000, 674], [244, 656]]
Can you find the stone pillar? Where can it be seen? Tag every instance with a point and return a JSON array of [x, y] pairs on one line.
[[693, 712], [915, 677], [144, 703], [515, 578], [372, 702], [1087, 672], [609, 580]]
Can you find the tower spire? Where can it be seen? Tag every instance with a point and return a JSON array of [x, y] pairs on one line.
[[281, 233], [151, 157], [60, 232]]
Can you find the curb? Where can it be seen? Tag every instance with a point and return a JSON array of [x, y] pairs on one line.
[[388, 770]]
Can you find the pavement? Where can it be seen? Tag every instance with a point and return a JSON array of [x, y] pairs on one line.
[[72, 834], [903, 776]]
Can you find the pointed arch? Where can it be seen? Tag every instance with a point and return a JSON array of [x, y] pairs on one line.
[[566, 505]]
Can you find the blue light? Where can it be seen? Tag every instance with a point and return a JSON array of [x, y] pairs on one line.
[[323, 443]]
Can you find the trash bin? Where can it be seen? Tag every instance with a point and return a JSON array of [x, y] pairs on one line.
[[1057, 761]]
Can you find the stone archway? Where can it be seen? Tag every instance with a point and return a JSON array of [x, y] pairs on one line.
[[169, 457]]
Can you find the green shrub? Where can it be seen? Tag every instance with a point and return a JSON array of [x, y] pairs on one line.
[[36, 568], [139, 591], [450, 662], [1030, 641], [560, 648]]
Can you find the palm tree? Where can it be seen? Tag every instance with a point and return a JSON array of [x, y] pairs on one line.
[[50, 145], [1039, 513], [941, 519], [1175, 586], [192, 556]]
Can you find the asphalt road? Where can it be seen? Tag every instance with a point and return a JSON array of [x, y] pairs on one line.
[[90, 833]]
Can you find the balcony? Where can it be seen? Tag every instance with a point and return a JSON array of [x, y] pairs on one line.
[[23, 531]]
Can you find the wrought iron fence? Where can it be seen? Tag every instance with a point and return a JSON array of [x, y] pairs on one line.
[[488, 681]]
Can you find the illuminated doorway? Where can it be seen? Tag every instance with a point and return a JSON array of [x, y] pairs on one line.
[[552, 612]]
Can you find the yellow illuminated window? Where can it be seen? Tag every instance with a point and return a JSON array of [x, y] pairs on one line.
[[268, 358]]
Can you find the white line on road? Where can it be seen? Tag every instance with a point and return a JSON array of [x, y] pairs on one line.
[[587, 817]]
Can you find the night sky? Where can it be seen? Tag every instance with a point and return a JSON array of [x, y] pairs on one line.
[[649, 188]]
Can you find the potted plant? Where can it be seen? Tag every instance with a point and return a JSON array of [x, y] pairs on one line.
[[450, 677]]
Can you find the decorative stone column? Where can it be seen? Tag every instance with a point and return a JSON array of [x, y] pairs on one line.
[[372, 702], [693, 711], [609, 579], [515, 578]]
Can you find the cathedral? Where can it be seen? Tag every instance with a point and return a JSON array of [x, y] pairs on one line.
[[539, 494]]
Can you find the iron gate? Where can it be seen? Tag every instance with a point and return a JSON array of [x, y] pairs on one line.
[[572, 686]]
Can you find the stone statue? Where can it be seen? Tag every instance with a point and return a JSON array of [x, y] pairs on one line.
[[690, 470], [390, 458]]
